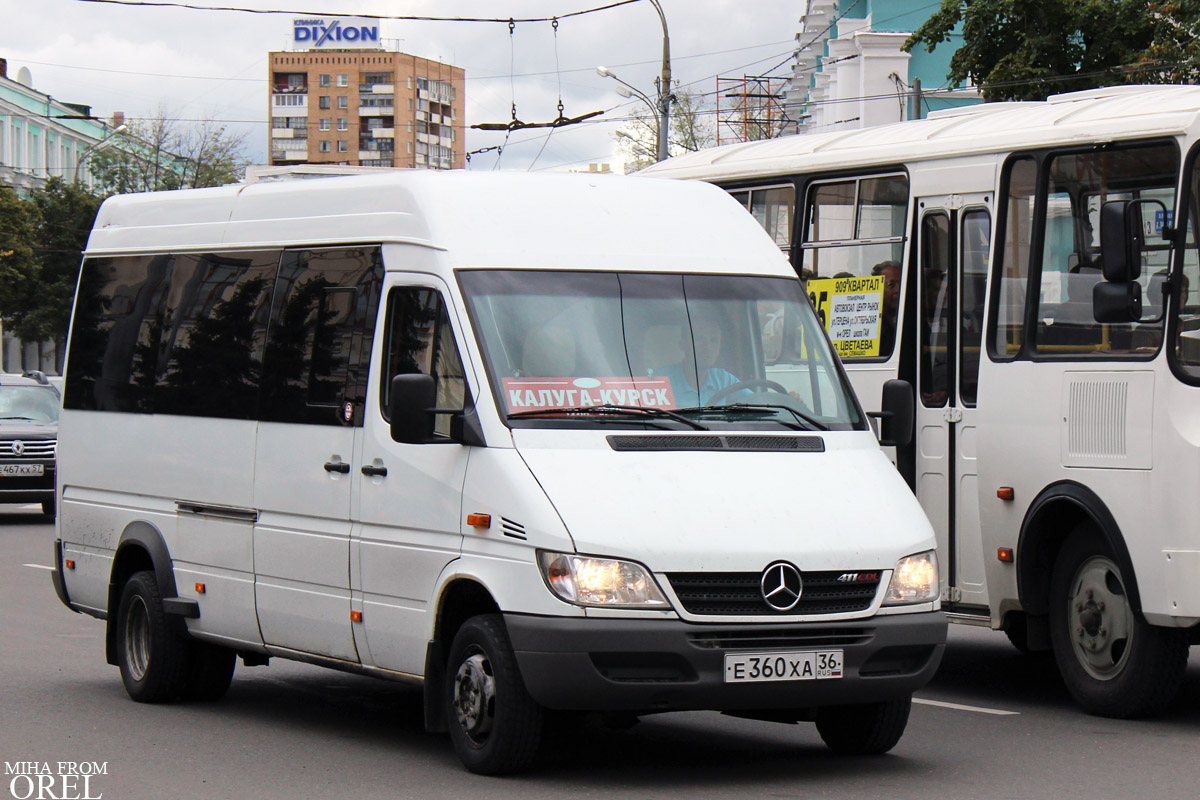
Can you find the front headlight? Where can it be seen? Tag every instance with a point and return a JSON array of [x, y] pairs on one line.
[[606, 582], [915, 580]]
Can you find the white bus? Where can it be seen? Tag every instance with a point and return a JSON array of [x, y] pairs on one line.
[[1020, 265]]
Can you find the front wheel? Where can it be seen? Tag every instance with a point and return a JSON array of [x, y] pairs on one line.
[[867, 729], [1113, 664], [495, 725]]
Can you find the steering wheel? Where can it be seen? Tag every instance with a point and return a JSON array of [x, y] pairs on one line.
[[755, 383]]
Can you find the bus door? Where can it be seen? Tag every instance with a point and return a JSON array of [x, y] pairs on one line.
[[954, 233]]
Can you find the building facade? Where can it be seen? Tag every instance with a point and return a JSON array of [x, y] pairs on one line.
[[851, 72], [371, 108], [41, 137]]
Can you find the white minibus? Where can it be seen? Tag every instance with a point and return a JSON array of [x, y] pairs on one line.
[[1026, 266], [535, 443]]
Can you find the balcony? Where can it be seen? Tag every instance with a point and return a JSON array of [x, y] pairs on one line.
[[376, 88]]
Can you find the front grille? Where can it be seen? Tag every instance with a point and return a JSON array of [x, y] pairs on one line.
[[779, 638], [31, 448], [729, 594]]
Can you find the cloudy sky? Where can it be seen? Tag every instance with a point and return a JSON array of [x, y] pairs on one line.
[[201, 64]]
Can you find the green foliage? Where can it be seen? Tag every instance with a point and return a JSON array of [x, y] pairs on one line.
[[1029, 49], [161, 154], [40, 244]]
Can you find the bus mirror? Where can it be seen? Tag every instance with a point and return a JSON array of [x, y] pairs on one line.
[[413, 396], [1117, 302], [896, 414], [1120, 240]]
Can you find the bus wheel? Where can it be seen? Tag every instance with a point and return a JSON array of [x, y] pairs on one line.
[[1112, 664], [209, 673], [495, 725], [153, 659], [864, 730]]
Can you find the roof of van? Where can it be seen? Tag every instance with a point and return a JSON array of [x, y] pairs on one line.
[[1109, 114], [496, 219]]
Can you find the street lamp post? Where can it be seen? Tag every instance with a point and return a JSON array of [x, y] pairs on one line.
[[661, 109], [92, 149]]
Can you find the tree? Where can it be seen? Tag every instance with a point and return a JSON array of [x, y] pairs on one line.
[[65, 216], [161, 153], [1029, 49], [18, 264], [691, 129]]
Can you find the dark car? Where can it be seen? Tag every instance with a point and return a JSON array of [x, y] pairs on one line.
[[29, 409]]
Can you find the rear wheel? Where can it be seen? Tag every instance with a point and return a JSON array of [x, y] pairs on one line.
[[495, 725], [1113, 664], [866, 729], [154, 661]]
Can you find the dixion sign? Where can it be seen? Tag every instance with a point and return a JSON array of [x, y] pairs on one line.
[[340, 32]]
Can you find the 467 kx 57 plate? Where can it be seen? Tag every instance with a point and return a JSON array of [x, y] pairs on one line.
[[794, 666]]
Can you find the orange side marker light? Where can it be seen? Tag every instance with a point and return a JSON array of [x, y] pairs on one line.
[[479, 520], [70, 562], [200, 588], [356, 616], [1006, 493], [1005, 554]]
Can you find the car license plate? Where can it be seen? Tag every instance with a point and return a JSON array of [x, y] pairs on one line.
[[20, 470], [795, 666]]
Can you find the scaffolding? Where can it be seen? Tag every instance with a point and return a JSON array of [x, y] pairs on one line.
[[750, 108]]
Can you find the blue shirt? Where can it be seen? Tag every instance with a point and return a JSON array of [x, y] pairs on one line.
[[686, 396]]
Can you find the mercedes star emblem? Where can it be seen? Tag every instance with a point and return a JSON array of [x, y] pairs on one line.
[[781, 586]]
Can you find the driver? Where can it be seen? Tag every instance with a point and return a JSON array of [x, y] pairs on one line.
[[697, 377]]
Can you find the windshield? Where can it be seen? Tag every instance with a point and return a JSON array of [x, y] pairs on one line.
[[605, 348], [28, 404]]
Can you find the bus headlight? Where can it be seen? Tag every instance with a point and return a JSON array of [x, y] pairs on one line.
[[587, 581], [915, 580]]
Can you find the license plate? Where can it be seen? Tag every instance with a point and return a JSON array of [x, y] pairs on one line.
[[20, 470], [797, 666]]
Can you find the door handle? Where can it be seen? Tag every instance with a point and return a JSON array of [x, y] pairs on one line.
[[370, 469], [337, 466]]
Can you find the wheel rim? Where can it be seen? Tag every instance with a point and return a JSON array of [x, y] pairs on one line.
[[137, 638], [475, 697], [1099, 619]]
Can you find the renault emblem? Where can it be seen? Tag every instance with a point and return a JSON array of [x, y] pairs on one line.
[[18, 447], [781, 586]]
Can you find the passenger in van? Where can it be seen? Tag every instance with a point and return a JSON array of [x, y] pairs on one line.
[[890, 270], [698, 365]]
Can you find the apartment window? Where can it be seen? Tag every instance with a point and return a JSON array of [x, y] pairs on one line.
[[343, 102], [343, 80], [324, 124], [324, 80], [343, 125], [343, 146], [323, 147], [323, 102]]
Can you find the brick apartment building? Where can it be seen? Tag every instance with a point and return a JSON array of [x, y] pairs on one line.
[[371, 108]]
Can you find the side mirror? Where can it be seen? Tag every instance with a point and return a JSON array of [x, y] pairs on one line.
[[411, 407], [1117, 302], [1121, 240], [897, 414]]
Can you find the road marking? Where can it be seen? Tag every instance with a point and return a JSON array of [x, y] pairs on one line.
[[958, 707], [38, 566]]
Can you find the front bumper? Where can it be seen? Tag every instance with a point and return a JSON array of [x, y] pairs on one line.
[[670, 665], [28, 489]]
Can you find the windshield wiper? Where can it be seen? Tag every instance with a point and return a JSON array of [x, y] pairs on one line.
[[811, 423], [612, 410]]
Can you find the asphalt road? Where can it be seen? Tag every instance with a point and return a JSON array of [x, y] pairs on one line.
[[993, 724]]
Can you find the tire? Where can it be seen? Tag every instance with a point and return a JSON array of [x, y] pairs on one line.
[[1113, 664], [209, 673], [495, 725], [154, 660], [869, 729]]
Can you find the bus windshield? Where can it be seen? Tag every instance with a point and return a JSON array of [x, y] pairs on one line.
[[665, 350]]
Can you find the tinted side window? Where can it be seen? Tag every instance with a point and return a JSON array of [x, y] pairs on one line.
[[421, 340], [319, 341], [211, 350], [116, 333]]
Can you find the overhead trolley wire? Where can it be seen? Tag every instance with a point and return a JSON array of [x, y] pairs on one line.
[[405, 17]]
